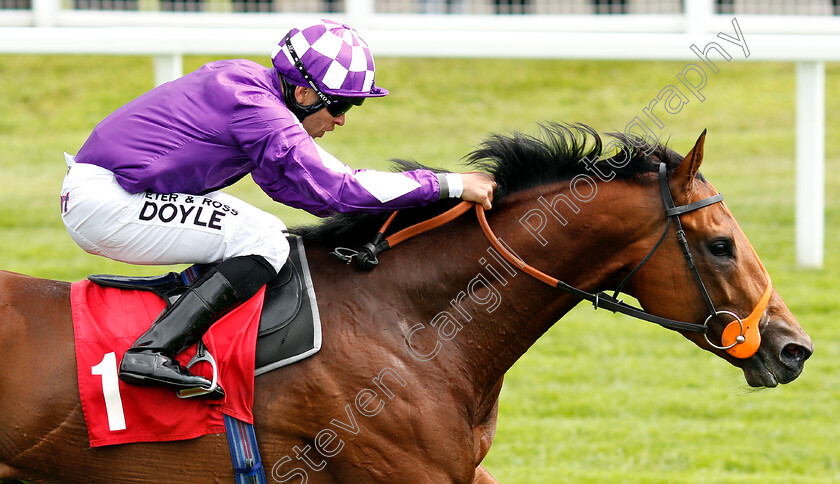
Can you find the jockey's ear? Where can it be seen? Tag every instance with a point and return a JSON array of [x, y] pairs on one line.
[[304, 95], [682, 180]]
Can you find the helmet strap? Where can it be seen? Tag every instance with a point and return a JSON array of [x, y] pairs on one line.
[[299, 110]]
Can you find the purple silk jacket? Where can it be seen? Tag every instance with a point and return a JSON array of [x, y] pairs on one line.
[[208, 129]]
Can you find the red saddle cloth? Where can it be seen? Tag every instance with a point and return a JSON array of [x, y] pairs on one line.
[[106, 321]]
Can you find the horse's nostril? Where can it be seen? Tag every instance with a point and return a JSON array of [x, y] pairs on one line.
[[794, 354]]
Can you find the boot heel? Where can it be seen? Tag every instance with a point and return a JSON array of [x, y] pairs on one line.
[[133, 379]]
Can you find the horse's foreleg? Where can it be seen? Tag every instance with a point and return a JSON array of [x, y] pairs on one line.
[[484, 433], [483, 477]]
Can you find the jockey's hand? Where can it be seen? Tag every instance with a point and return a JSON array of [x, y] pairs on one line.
[[478, 188]]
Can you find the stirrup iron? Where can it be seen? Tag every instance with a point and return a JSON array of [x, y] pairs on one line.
[[201, 354]]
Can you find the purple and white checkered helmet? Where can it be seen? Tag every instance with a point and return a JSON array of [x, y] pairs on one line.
[[334, 56]]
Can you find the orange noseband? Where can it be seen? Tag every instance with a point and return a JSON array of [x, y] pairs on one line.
[[741, 337]]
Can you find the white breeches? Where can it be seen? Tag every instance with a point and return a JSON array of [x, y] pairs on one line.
[[152, 228]]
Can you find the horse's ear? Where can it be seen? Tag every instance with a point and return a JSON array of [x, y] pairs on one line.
[[682, 180]]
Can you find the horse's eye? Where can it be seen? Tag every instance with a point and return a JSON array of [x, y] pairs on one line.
[[721, 248]]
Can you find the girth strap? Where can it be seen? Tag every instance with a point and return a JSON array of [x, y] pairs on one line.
[[242, 439]]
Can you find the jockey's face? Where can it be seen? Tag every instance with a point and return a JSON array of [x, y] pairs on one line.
[[321, 121]]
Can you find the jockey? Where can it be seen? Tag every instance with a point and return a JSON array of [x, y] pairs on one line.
[[144, 187]]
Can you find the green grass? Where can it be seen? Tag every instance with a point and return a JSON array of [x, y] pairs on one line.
[[600, 398]]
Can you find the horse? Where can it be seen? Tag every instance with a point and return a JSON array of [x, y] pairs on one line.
[[406, 385]]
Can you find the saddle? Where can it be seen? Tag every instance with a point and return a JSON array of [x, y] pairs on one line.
[[290, 326]]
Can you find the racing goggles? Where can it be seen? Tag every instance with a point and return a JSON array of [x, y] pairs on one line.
[[337, 105]]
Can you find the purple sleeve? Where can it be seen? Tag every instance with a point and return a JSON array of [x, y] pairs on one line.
[[294, 170]]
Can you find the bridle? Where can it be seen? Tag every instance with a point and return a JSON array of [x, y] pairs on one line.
[[740, 337]]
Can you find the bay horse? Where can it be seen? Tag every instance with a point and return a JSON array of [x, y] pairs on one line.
[[415, 351]]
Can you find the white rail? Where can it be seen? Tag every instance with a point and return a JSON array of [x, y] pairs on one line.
[[809, 41]]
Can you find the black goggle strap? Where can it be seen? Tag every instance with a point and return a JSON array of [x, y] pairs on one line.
[[302, 70], [335, 105]]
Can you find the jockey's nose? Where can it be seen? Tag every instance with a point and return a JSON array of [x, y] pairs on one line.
[[339, 120]]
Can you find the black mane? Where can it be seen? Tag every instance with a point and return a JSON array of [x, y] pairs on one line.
[[519, 162]]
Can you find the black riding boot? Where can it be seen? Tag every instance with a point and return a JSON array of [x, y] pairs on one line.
[[151, 359]]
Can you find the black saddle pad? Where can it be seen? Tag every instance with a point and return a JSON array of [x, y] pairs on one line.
[[290, 326]]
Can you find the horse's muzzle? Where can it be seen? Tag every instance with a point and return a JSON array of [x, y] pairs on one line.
[[779, 361], [792, 357]]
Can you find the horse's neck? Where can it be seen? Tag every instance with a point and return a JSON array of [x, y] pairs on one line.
[[460, 304], [499, 311]]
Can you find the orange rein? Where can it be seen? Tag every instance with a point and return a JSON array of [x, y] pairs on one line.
[[451, 215], [740, 338], [424, 226]]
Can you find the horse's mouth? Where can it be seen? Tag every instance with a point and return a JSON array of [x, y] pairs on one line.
[[758, 374], [769, 367]]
